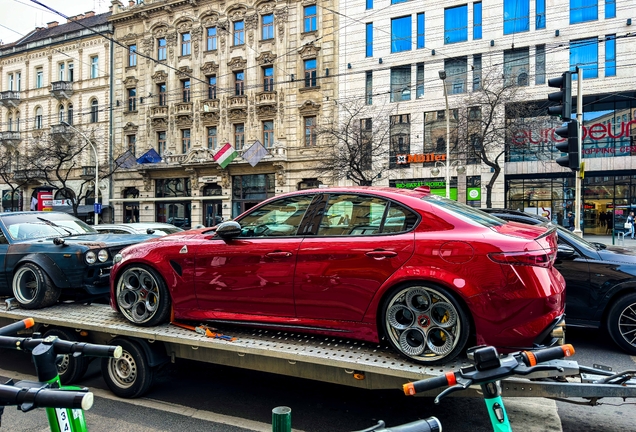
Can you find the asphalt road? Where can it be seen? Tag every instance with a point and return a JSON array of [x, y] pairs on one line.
[[191, 396]]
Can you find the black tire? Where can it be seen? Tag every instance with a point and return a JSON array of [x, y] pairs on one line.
[[620, 323], [72, 368], [33, 288], [424, 322], [129, 376], [142, 296]]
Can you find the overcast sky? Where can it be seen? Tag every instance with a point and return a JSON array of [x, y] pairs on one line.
[[19, 17]]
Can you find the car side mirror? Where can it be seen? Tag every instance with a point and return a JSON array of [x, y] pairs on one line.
[[150, 231], [229, 229], [565, 251]]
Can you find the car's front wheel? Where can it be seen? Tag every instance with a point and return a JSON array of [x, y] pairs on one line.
[[33, 288], [621, 323], [425, 323], [142, 296]]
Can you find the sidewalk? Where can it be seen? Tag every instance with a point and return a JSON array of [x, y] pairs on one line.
[[607, 239]]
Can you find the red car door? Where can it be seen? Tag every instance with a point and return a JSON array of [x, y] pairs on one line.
[[355, 250]]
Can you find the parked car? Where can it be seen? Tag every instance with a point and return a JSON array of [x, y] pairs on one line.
[[600, 281], [156, 228], [326, 261], [46, 254]]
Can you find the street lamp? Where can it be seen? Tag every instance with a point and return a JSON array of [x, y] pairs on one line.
[[96, 222], [442, 76]]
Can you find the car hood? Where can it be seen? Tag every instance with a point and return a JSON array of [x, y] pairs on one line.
[[618, 254], [99, 240]]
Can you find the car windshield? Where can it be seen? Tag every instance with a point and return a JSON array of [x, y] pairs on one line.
[[26, 226], [465, 212], [575, 240]]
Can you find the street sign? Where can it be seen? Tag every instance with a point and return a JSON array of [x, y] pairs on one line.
[[98, 208]]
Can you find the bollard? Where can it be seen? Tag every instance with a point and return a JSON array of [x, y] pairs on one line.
[[281, 419]]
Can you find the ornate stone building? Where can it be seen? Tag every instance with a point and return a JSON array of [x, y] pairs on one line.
[[192, 75]]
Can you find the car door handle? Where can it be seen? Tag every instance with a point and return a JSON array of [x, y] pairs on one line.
[[380, 254], [278, 254]]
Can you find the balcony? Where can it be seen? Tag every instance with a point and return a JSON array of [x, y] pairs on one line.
[[266, 98], [61, 133], [62, 89], [10, 138], [88, 172], [237, 102], [29, 174], [183, 108], [9, 99], [160, 111]]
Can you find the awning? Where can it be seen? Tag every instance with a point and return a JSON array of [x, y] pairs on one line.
[[82, 209]]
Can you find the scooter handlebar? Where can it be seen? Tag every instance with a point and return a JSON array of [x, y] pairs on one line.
[[27, 398]]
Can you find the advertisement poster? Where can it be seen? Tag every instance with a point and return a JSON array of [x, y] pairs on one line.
[[45, 201]]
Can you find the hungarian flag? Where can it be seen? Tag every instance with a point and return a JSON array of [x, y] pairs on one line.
[[225, 155]]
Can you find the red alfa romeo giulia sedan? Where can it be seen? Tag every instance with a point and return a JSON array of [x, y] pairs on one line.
[[428, 274]]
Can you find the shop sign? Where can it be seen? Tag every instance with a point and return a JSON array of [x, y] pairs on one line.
[[473, 194], [594, 132], [415, 184], [45, 201], [589, 206], [208, 179], [419, 158], [62, 202]]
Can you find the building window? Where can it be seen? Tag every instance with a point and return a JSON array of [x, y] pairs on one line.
[[17, 121], [310, 73], [161, 49], [401, 34], [39, 78], [185, 44], [369, 41], [476, 72], [268, 78], [18, 81], [516, 16], [309, 22], [132, 99], [185, 90], [212, 87], [267, 24], [38, 118], [268, 134], [61, 113], [583, 11], [456, 73], [369, 4], [185, 140], [584, 54], [163, 97], [211, 39], [10, 82], [239, 83], [71, 70], [239, 33], [401, 83], [62, 70], [539, 60], [400, 138], [366, 141], [310, 131], [94, 111], [69, 114], [420, 30], [419, 79], [94, 67], [516, 66], [161, 143], [132, 143], [456, 24], [132, 55], [212, 137], [477, 20], [239, 136], [610, 55], [540, 14], [610, 9], [368, 87]]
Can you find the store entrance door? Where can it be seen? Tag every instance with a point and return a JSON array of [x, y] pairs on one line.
[[212, 212]]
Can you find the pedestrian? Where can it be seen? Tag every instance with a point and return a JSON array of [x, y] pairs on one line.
[[570, 221], [630, 221]]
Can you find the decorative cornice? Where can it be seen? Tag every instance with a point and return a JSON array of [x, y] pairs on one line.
[[130, 82], [309, 51], [210, 68], [184, 72], [160, 77], [131, 127], [309, 107], [237, 63], [266, 57]]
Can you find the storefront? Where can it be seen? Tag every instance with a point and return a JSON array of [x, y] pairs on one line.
[[11, 200], [173, 208], [212, 208], [438, 187], [249, 190]]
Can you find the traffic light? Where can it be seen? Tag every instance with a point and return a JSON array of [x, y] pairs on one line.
[[563, 97], [570, 132]]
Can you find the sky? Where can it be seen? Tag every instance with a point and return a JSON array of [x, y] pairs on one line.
[[19, 17]]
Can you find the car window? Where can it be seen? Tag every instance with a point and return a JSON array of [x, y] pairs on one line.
[[113, 231], [3, 239], [34, 225], [276, 219], [358, 215], [463, 211]]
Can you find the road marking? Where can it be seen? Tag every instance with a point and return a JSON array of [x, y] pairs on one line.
[[167, 407]]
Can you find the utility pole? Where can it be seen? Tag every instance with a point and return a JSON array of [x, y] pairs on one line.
[[578, 175]]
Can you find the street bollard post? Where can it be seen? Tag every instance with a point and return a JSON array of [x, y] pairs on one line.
[[281, 419]]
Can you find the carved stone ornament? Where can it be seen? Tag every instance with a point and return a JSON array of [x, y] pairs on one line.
[[308, 2], [210, 118], [237, 114], [251, 22], [184, 72], [130, 82], [266, 111], [183, 120], [210, 20], [147, 182], [160, 123], [171, 39], [225, 177], [210, 68], [184, 26], [266, 8], [280, 174], [160, 31], [147, 45], [237, 64], [128, 37], [198, 155], [237, 14], [280, 15], [309, 51], [160, 77], [309, 107], [130, 127], [266, 57]]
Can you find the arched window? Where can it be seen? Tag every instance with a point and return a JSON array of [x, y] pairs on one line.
[[38, 118], [64, 194], [94, 111], [17, 121], [69, 119], [61, 111]]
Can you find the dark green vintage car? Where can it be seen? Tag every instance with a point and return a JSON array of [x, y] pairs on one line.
[[45, 255]]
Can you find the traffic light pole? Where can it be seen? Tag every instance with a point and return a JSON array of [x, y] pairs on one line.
[[579, 174]]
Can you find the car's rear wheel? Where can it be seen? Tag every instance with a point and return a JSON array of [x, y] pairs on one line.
[[130, 375], [33, 288], [621, 323], [425, 323], [142, 296]]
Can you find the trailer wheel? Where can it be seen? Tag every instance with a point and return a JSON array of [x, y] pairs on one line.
[[620, 323], [33, 288], [425, 323], [71, 369], [142, 296], [128, 376]]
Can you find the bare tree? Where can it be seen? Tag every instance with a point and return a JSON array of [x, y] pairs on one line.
[[12, 171], [357, 146]]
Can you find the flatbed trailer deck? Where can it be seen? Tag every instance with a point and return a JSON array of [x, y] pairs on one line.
[[326, 359]]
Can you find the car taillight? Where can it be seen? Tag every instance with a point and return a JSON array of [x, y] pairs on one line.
[[531, 258]]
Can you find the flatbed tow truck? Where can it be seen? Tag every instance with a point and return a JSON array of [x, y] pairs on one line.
[[326, 359]]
